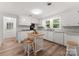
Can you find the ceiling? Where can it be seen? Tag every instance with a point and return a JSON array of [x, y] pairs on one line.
[[24, 8]]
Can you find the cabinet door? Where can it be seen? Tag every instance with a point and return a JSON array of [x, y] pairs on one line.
[[58, 37], [50, 35], [22, 35], [66, 38], [34, 20], [24, 21], [45, 35], [71, 36]]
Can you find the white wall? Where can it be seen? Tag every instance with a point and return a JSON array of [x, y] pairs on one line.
[[1, 30], [71, 18], [67, 17]]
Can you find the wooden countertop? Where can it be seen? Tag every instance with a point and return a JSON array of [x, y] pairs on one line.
[[36, 34]]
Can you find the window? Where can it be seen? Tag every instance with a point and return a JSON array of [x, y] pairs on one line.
[[8, 22], [48, 24], [55, 23], [9, 25]]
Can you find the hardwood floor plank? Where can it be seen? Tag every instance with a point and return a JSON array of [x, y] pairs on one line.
[[52, 49], [12, 48]]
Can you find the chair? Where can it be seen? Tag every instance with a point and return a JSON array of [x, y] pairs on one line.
[[71, 48], [28, 46]]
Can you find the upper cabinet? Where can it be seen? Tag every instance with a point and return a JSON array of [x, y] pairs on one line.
[[26, 20], [35, 20], [70, 18]]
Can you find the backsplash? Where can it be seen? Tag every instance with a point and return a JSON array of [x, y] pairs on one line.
[[71, 29]]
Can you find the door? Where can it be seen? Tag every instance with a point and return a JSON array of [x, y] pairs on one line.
[[9, 27]]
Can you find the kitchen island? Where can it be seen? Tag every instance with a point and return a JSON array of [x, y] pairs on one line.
[[37, 39]]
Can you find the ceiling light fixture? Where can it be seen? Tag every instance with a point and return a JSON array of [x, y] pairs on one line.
[[36, 11]]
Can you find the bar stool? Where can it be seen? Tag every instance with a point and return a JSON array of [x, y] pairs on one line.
[[71, 48], [28, 45]]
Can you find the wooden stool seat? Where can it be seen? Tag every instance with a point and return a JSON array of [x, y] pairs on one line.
[[72, 44], [71, 47], [29, 42]]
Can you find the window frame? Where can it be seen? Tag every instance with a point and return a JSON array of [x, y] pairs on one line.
[[51, 22]]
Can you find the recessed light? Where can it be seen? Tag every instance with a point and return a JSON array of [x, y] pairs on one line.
[[36, 11]]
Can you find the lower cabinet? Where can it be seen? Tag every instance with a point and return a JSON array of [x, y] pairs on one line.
[[59, 37], [66, 38], [50, 35], [22, 35], [44, 32], [71, 37]]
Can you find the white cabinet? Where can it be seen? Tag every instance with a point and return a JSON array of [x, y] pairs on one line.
[[59, 37], [71, 36], [44, 32], [34, 20], [50, 35], [22, 35], [65, 38], [24, 20], [46, 35]]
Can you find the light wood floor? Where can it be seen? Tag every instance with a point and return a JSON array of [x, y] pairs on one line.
[[11, 48], [52, 49]]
